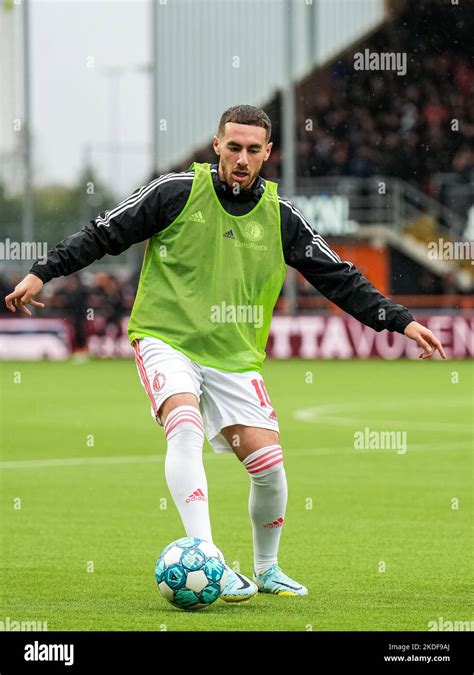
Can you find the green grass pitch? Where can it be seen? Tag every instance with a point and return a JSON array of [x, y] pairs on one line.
[[381, 538]]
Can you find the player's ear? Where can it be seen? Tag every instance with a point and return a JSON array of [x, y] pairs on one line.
[[215, 144], [268, 151]]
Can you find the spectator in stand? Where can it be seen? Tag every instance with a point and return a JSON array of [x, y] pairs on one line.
[[70, 302], [106, 299]]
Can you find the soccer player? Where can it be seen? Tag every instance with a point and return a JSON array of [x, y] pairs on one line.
[[219, 239]]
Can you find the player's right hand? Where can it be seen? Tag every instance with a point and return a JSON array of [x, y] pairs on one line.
[[24, 293]]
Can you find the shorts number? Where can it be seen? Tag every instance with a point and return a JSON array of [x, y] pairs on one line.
[[261, 392]]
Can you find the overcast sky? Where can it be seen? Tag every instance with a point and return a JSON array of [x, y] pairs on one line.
[[71, 45], [78, 110]]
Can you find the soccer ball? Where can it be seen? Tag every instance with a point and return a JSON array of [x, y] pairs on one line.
[[191, 573]]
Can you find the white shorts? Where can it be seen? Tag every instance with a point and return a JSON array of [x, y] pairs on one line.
[[224, 397]]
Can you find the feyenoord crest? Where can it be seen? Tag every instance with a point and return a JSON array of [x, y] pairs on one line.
[[159, 381], [253, 231]]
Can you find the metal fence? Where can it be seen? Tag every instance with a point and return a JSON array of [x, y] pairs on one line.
[[379, 200]]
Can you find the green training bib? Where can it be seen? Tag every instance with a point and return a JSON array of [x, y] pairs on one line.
[[210, 280]]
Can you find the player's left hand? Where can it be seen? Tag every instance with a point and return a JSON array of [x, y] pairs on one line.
[[425, 338]]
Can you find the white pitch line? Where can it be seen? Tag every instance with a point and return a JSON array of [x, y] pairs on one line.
[[338, 415], [148, 459], [89, 461], [334, 421], [79, 461]]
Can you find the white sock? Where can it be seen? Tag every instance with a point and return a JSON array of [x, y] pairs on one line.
[[184, 470], [267, 503]]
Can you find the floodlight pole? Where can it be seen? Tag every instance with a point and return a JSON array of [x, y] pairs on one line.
[[27, 202], [154, 87], [288, 137]]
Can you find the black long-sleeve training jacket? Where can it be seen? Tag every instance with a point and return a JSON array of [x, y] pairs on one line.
[[154, 206]]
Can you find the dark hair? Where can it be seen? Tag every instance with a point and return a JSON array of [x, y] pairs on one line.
[[246, 114]]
